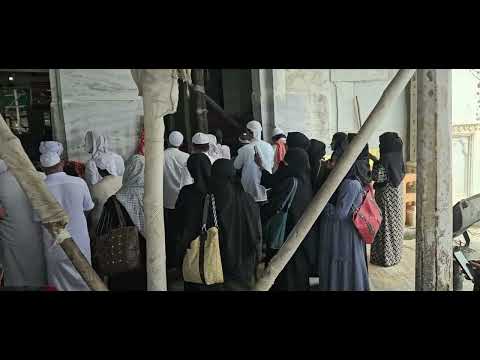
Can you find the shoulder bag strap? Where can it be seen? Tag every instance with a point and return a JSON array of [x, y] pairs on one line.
[[289, 199], [203, 237], [119, 212], [205, 212], [214, 211]]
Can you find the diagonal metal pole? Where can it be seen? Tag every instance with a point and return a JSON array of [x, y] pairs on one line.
[[295, 238]]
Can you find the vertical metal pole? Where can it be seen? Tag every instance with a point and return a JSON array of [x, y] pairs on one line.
[[434, 250]]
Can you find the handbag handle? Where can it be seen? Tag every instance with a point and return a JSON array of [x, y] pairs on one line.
[[205, 213], [209, 197], [121, 218], [214, 210], [289, 199]]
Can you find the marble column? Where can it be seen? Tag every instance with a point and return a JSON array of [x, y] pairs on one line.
[[434, 176]]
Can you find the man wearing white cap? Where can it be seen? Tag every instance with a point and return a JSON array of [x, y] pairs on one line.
[[175, 174], [21, 249], [201, 144], [251, 173], [73, 195], [279, 140]]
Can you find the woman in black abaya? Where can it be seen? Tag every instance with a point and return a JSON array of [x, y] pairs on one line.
[[189, 207], [240, 231], [316, 153], [295, 165], [388, 174]]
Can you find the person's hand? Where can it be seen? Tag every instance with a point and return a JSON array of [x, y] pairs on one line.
[[475, 264], [330, 164]]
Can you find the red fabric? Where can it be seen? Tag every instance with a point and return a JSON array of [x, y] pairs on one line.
[[141, 145], [368, 217], [78, 166], [280, 151]]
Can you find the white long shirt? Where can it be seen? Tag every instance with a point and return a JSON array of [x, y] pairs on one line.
[[251, 173], [21, 250], [174, 173], [73, 195]]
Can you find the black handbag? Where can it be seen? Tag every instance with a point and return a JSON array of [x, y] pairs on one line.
[[118, 250]]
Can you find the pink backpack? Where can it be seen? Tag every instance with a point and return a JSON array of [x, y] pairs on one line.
[[368, 217]]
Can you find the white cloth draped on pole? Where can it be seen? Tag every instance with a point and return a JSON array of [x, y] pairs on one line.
[[159, 89]]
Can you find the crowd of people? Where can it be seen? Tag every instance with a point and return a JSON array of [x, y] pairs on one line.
[[250, 186]]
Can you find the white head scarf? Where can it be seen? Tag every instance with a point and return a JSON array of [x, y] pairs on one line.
[[131, 193], [95, 143], [51, 146], [256, 128], [214, 150], [175, 138], [278, 131], [111, 162]]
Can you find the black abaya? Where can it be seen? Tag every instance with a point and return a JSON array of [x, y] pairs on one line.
[[238, 221], [239, 226], [295, 275]]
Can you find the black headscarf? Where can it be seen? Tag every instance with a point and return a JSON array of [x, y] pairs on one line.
[[295, 164], [200, 169], [391, 157], [297, 140], [295, 274], [337, 139], [316, 152], [361, 167], [239, 221]]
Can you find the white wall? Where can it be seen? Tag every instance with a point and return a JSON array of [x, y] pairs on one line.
[[320, 102], [105, 100]]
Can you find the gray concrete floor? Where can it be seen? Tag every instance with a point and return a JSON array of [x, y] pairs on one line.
[[400, 277]]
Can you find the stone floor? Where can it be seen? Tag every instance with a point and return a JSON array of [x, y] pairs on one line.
[[400, 277]]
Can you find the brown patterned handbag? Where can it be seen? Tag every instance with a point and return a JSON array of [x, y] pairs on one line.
[[118, 250]]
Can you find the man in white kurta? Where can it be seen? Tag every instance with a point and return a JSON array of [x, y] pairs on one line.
[[73, 195], [251, 173], [174, 172], [21, 248]]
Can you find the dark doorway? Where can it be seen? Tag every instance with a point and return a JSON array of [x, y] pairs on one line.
[[25, 99], [231, 89]]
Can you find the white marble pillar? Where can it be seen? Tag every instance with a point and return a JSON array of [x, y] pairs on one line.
[[434, 176]]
